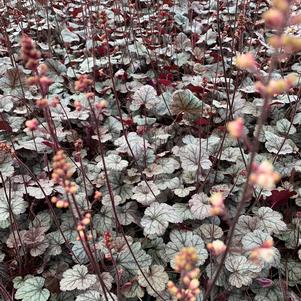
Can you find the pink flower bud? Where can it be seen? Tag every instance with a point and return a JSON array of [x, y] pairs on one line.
[[246, 62], [236, 128], [32, 124]]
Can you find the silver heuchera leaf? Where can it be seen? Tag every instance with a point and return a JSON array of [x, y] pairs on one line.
[[199, 206], [145, 95], [136, 143], [32, 290], [17, 205], [145, 193], [181, 239], [77, 278], [192, 158], [156, 276], [183, 101], [241, 270], [157, 217], [270, 220], [125, 260]]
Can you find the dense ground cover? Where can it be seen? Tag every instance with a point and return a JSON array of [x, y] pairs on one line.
[[133, 129]]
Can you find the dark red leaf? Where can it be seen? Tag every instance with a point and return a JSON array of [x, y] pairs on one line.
[[279, 198]]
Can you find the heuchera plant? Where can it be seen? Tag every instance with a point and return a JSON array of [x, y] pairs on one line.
[[149, 150]]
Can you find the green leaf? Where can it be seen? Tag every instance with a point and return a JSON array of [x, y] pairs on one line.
[[273, 293], [6, 165], [133, 290], [32, 290], [77, 278], [210, 232], [90, 295], [69, 36], [284, 126], [136, 143], [276, 144]]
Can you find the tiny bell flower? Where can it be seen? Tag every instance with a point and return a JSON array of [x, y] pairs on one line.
[[217, 247], [282, 5], [264, 175], [186, 259], [103, 104], [97, 195], [32, 124], [59, 204], [274, 18], [83, 83], [217, 202], [78, 105], [265, 252], [246, 62], [42, 103], [236, 128]]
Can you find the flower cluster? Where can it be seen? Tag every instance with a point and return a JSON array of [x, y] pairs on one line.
[[217, 203], [29, 53], [81, 226], [236, 128], [216, 247], [4, 147], [32, 124], [264, 175], [185, 263], [246, 62], [277, 16], [83, 83], [265, 252], [59, 203], [62, 172], [276, 87]]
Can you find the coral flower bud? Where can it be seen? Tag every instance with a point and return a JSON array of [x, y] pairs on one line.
[[217, 199], [282, 5], [85, 221], [43, 69], [54, 199], [42, 103], [246, 62], [273, 18], [236, 127], [217, 247], [264, 175], [194, 283], [32, 124], [59, 204], [103, 104], [294, 20]]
